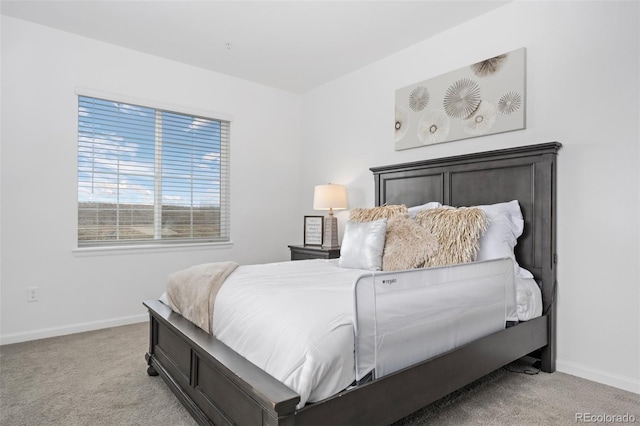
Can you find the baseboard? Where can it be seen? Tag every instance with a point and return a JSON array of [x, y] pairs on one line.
[[606, 378], [44, 333]]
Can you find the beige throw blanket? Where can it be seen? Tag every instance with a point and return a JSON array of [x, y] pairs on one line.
[[192, 292]]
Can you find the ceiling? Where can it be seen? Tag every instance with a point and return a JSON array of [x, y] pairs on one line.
[[291, 45]]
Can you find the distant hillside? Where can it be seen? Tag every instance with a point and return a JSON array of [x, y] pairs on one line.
[[105, 221]]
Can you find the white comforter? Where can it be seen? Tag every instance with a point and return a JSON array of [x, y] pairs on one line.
[[319, 361]]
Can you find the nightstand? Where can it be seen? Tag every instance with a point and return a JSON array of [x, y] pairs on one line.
[[313, 252]]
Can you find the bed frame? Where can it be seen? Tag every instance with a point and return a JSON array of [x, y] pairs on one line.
[[218, 386]]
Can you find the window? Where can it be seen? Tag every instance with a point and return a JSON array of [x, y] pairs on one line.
[[147, 175]]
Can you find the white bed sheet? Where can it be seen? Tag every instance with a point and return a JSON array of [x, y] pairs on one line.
[[528, 298]]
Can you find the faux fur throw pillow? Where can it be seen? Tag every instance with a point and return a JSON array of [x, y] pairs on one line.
[[375, 213], [408, 245], [458, 231]]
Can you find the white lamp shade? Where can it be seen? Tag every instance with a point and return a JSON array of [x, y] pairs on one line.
[[327, 197]]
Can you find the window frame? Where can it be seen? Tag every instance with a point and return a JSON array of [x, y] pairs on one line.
[[154, 243]]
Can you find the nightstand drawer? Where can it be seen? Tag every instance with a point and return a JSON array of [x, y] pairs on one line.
[[313, 252]]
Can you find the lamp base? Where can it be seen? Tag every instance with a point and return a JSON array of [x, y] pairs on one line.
[[330, 239]]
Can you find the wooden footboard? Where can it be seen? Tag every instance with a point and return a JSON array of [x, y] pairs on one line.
[[218, 386], [214, 383]]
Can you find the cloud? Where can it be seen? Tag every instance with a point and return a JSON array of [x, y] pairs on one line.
[[212, 156], [132, 109], [198, 123]]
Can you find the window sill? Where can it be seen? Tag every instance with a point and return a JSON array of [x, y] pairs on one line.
[[150, 248]]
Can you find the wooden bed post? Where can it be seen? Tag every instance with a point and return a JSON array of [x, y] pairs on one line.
[[549, 274]]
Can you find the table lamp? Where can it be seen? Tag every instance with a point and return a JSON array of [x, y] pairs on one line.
[[330, 197]]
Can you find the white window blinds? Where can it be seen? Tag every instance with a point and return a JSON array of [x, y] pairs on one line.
[[147, 175]]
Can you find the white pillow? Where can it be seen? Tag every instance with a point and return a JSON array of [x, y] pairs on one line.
[[363, 244], [413, 211], [506, 224]]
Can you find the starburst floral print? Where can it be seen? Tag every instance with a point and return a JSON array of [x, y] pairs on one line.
[[433, 127], [510, 102], [462, 98], [419, 98], [489, 66], [481, 121], [402, 122]]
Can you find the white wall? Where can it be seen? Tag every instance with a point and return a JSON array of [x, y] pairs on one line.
[[41, 67], [583, 91]]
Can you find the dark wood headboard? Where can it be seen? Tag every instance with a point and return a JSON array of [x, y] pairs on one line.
[[526, 174]]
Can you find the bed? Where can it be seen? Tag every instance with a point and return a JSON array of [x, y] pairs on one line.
[[218, 386]]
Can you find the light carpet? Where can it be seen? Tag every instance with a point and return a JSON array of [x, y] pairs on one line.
[[99, 378]]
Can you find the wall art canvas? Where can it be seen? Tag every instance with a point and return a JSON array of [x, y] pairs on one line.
[[484, 98]]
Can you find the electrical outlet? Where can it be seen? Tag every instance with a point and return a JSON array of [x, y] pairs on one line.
[[32, 294]]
